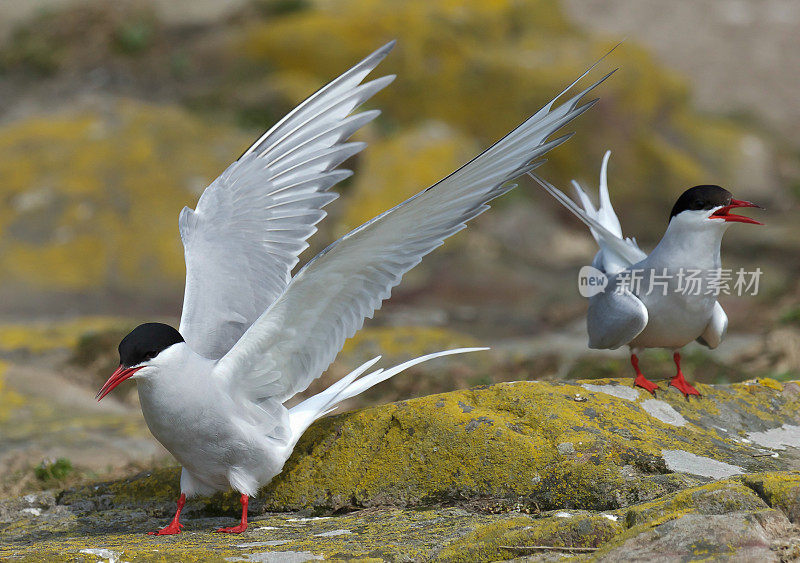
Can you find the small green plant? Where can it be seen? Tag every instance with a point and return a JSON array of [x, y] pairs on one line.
[[785, 376], [134, 37], [280, 7], [53, 469], [792, 316]]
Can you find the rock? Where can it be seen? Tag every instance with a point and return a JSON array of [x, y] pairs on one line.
[[723, 519], [434, 449], [732, 537], [779, 490], [478, 474]]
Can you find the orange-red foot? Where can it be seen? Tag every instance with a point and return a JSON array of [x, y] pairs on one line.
[[679, 383], [641, 380], [233, 529], [646, 384], [173, 528]]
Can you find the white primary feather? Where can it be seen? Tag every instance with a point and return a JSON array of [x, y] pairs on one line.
[[250, 225], [296, 339], [616, 253]]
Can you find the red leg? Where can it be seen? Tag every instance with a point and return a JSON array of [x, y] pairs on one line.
[[679, 382], [641, 380], [241, 527], [174, 526]]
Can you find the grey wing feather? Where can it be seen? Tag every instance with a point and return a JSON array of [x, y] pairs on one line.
[[296, 339], [614, 318], [251, 224], [717, 327]]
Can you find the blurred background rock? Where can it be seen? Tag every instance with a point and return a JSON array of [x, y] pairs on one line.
[[113, 116]]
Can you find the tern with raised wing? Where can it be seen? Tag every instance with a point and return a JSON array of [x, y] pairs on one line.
[[251, 336], [665, 299]]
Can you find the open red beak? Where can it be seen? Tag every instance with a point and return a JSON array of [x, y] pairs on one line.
[[121, 374], [725, 214]]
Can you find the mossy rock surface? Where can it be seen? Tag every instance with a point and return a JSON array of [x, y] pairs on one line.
[[727, 519], [493, 473], [597, 446]]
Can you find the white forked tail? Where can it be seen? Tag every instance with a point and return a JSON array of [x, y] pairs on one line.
[[301, 416], [616, 253], [604, 214]]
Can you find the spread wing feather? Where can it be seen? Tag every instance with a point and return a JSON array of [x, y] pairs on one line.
[[296, 339], [252, 223]]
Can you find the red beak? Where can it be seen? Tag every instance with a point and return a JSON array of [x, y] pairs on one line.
[[724, 212], [121, 374]]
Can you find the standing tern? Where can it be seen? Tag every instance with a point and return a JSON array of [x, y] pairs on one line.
[[251, 336], [649, 301]]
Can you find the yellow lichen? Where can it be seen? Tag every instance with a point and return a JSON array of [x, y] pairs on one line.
[[467, 443], [779, 489], [76, 184], [479, 72], [498, 541], [769, 382], [43, 336]]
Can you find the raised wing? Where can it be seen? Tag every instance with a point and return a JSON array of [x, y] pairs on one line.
[[616, 253], [252, 222], [328, 300]]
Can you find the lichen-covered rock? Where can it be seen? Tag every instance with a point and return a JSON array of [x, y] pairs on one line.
[[593, 446], [492, 473], [736, 536], [596, 446], [780, 490], [480, 72], [75, 184], [42, 528]]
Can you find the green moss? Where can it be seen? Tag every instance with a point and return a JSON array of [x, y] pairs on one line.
[[134, 36], [791, 316], [53, 469]]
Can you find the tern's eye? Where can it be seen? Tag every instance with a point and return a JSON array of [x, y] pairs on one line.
[[698, 204], [150, 355]]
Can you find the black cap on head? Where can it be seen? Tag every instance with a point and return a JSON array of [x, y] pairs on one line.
[[701, 197], [146, 342]]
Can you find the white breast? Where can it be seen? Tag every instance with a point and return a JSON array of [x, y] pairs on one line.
[[192, 413]]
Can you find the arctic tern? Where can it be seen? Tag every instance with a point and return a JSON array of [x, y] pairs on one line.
[[251, 336], [648, 301]]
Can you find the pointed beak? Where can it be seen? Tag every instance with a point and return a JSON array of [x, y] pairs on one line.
[[121, 374], [725, 214]]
